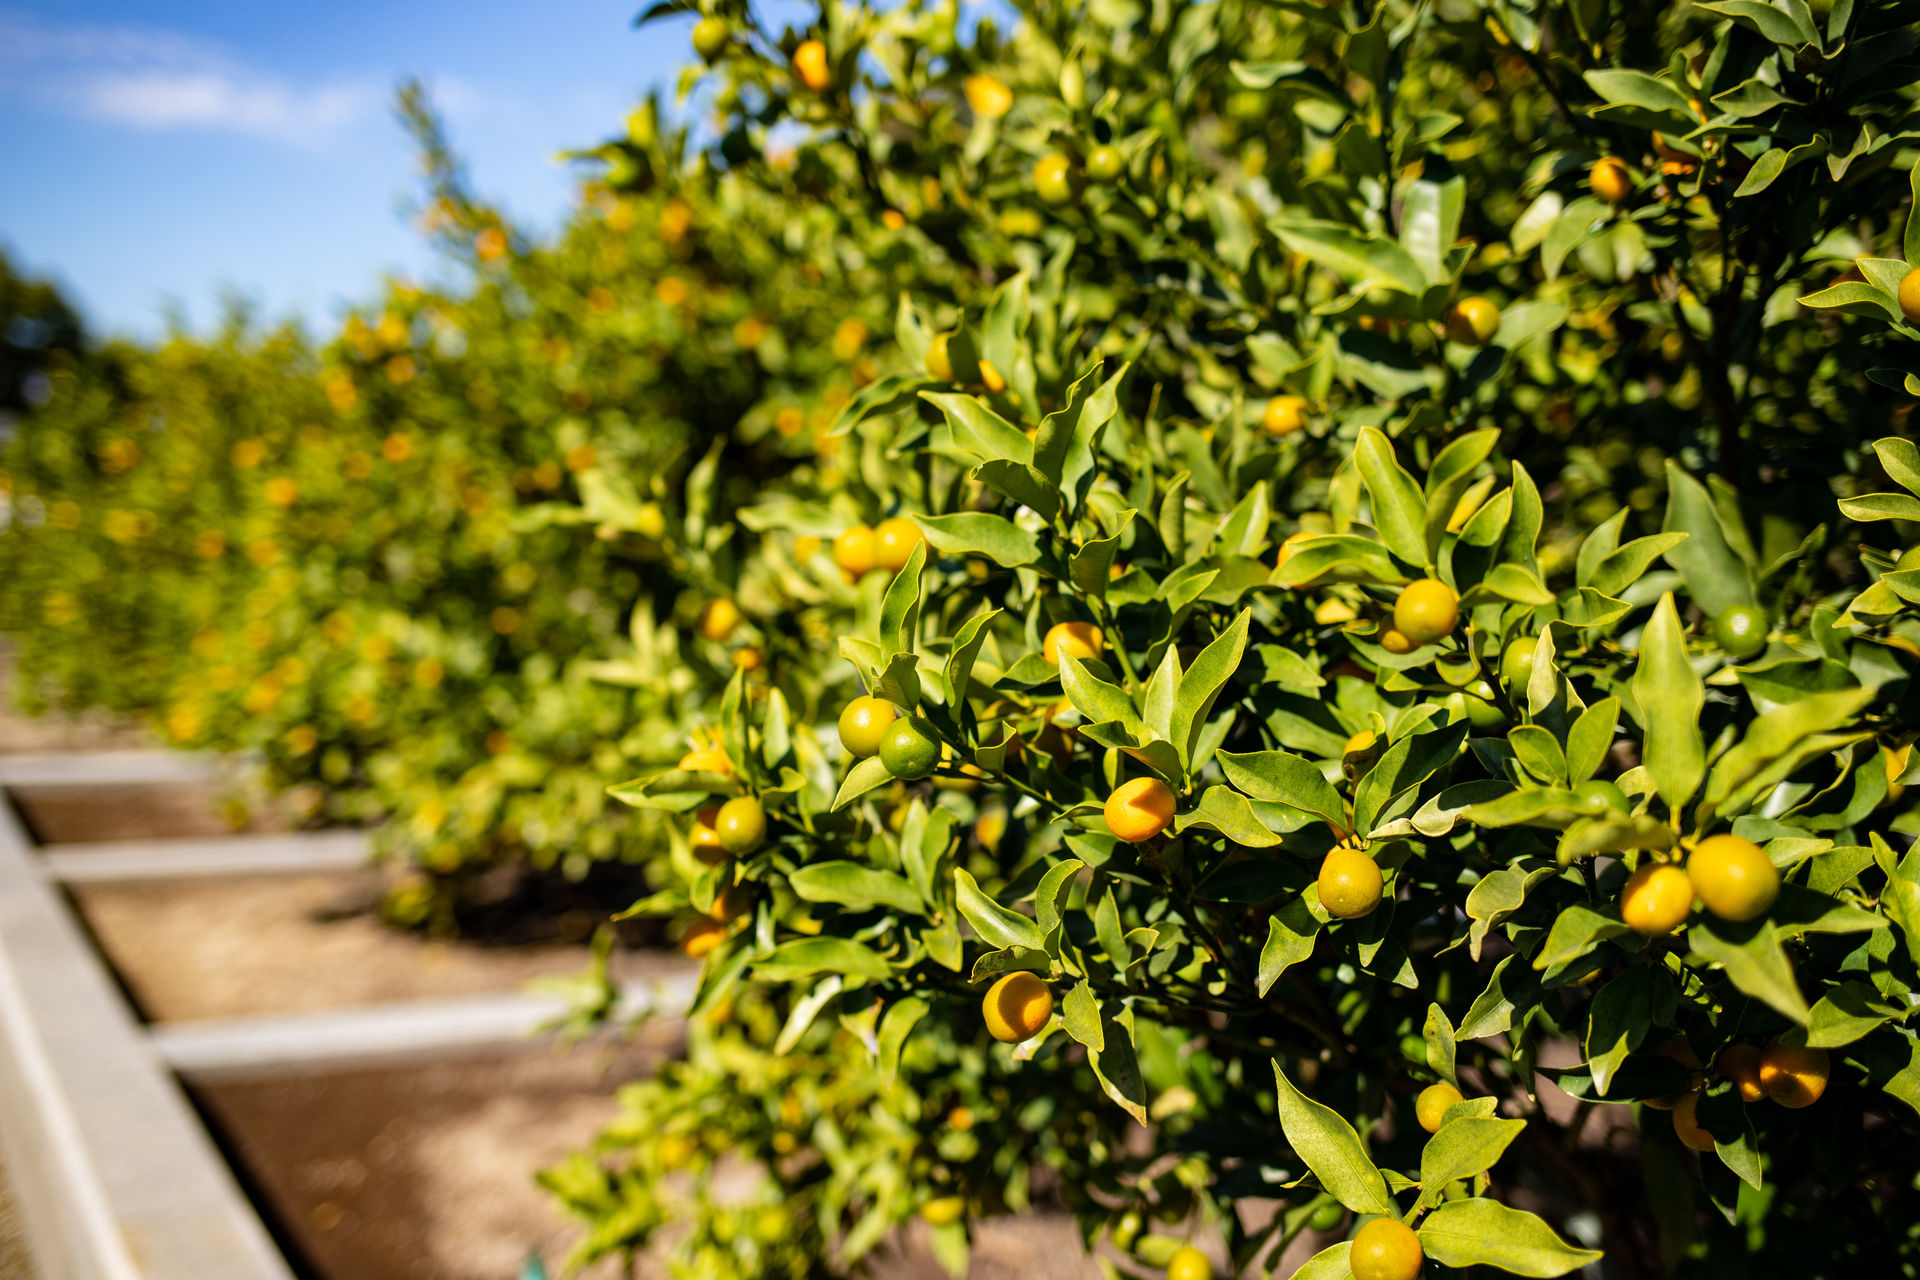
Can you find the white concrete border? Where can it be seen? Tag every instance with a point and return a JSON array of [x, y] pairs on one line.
[[107, 768], [301, 853], [115, 1177], [395, 1034]]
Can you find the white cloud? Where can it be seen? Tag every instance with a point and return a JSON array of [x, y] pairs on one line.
[[154, 79]]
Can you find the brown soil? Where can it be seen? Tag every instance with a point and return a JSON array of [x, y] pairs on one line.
[[421, 1174], [153, 811], [260, 945]]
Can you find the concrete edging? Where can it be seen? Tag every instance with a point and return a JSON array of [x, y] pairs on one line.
[[115, 1176]]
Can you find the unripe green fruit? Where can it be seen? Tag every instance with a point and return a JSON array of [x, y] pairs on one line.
[[710, 36], [1741, 630], [1600, 796], [909, 749], [1516, 664]]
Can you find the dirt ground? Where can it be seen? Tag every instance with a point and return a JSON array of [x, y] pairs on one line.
[[258, 945]]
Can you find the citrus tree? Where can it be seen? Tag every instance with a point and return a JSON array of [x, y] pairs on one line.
[[1385, 734]]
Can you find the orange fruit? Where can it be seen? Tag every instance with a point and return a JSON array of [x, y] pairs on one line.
[[1610, 180], [1140, 809], [703, 840], [1426, 610], [1733, 877], [1284, 415], [1430, 1108], [719, 618], [1910, 296], [1017, 1006], [894, 541], [1794, 1076], [701, 937], [1385, 1249], [855, 550], [1686, 1123], [810, 63], [1656, 899], [1472, 322], [1188, 1263], [1740, 1063], [863, 723], [1081, 639], [1350, 883]]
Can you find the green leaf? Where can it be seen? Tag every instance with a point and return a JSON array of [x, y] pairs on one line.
[[1911, 241], [1617, 1021], [1117, 1068], [804, 957], [1638, 89], [1430, 223], [1094, 698], [1449, 477], [1091, 566], [900, 609], [966, 648], [1285, 779], [1901, 458], [1716, 577], [1080, 1011], [1022, 482], [1630, 563], [1439, 1035], [1492, 1010], [1847, 1013], [1331, 1263], [1754, 960], [1776, 733], [1880, 506], [1463, 1148], [1576, 931], [1480, 1232], [1764, 171], [1227, 811], [1856, 298], [1669, 697], [1399, 510], [1338, 558], [1591, 737], [1901, 898], [978, 429], [976, 533], [996, 925], [1201, 684], [1046, 898], [1539, 753], [1332, 1150], [862, 778], [849, 884], [895, 1026], [1788, 23], [1359, 258], [1290, 934]]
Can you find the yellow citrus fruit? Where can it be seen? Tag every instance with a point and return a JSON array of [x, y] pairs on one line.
[[1472, 322], [894, 541], [944, 1211], [1291, 545], [855, 550], [1396, 641], [863, 722], [810, 63], [1431, 1106], [703, 840], [706, 760], [1656, 899], [987, 96], [710, 36], [1385, 1249], [731, 903], [1609, 179], [1350, 883], [702, 936], [741, 825], [1794, 1076], [1017, 1006], [1733, 877], [939, 359], [1054, 179], [992, 378], [1081, 639], [1910, 296], [1740, 1063], [719, 618], [1686, 1123], [1426, 610], [1284, 415], [1188, 1263], [1140, 809]]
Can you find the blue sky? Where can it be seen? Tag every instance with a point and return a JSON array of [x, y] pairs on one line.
[[157, 155]]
